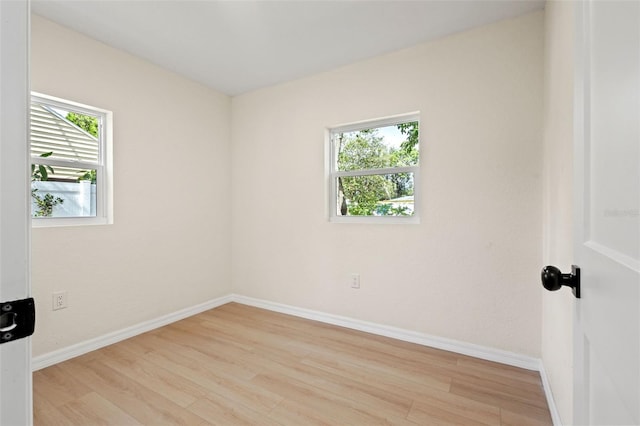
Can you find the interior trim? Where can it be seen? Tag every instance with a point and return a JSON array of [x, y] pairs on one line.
[[477, 351], [63, 354], [546, 385]]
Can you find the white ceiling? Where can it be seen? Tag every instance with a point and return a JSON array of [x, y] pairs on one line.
[[239, 46]]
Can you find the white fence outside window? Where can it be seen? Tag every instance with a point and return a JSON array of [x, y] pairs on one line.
[[79, 197]]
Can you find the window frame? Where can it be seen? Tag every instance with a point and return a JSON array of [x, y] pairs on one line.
[[104, 166], [333, 174]]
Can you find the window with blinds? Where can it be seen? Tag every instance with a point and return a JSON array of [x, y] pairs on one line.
[[69, 152]]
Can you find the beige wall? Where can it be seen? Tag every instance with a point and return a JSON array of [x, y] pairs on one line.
[[470, 270], [169, 246], [557, 307]]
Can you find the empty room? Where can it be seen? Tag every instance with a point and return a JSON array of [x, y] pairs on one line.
[[320, 212]]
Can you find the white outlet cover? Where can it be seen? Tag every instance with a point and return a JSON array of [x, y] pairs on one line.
[[59, 300], [355, 280]]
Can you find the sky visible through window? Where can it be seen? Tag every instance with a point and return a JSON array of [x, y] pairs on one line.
[[392, 136]]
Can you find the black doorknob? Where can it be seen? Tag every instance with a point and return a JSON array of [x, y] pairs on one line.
[[553, 279]]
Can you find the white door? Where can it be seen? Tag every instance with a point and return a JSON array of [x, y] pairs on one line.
[[15, 356], [607, 213]]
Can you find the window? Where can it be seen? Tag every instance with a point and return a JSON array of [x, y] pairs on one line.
[[70, 168], [374, 169]]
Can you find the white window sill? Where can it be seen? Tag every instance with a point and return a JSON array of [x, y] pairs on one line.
[[378, 220], [55, 222]]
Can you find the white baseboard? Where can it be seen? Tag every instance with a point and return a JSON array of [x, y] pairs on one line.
[[60, 355], [553, 408], [477, 351]]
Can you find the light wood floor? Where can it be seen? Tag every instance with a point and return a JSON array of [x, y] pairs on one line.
[[242, 365]]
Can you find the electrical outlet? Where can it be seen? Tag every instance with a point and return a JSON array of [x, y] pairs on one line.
[[59, 300], [355, 280]]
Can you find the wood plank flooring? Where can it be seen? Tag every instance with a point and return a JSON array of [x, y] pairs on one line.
[[242, 365]]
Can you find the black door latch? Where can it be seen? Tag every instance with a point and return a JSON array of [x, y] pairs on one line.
[[17, 319]]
